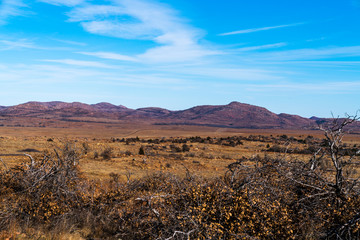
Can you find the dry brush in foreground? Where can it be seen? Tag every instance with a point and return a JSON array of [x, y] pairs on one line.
[[257, 198]]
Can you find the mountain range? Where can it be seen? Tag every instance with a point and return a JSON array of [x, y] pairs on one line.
[[232, 115]]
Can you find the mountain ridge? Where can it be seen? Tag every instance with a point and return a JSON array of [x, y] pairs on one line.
[[233, 115]]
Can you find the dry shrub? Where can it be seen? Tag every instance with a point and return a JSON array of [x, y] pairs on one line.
[[86, 147], [257, 198], [106, 154], [141, 151], [42, 192], [128, 153], [266, 199]]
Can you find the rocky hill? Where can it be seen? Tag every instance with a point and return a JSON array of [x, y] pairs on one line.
[[233, 115]]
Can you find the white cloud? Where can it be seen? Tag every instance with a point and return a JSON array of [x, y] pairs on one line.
[[21, 43], [147, 79], [109, 55], [69, 42], [11, 44], [311, 54], [267, 46], [231, 73], [31, 75], [315, 39], [330, 62], [259, 29], [11, 8], [93, 12], [69, 3], [120, 30], [144, 20], [174, 53], [320, 88], [79, 63], [43, 74]]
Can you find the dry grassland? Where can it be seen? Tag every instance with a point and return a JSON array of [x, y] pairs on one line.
[[202, 158]]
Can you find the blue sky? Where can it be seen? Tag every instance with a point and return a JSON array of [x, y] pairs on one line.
[[298, 57]]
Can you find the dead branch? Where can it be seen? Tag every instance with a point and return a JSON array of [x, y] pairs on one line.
[[187, 234], [4, 164], [32, 162]]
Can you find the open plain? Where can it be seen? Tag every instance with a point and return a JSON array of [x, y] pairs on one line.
[[210, 150]]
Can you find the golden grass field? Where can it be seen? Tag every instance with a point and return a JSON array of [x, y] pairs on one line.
[[203, 158]]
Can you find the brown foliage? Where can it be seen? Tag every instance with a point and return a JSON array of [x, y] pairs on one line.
[[257, 198]]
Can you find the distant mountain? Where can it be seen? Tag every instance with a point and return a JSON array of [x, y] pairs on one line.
[[64, 110], [233, 115], [154, 112], [329, 121], [108, 107], [240, 115]]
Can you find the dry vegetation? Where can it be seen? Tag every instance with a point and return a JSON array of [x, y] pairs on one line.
[[235, 186]]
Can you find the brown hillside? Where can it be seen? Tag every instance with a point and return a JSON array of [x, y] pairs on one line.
[[233, 115]]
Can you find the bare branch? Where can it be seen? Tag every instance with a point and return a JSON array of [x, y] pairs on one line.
[[17, 154], [4, 164], [187, 234]]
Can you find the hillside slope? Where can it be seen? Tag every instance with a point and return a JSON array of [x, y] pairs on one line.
[[233, 115]]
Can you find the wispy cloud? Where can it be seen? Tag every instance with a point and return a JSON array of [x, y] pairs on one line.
[[69, 3], [17, 44], [117, 29], [110, 55], [144, 20], [79, 63], [310, 54], [330, 63], [93, 12], [84, 72], [316, 39], [233, 73], [11, 8], [320, 88], [261, 47], [76, 43], [251, 30], [148, 79], [42, 74]]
